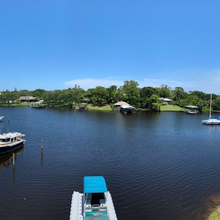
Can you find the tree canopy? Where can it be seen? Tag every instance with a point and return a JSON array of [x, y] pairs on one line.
[[145, 98]]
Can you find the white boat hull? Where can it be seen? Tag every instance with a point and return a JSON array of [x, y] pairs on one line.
[[211, 122], [11, 141], [10, 147], [77, 209]]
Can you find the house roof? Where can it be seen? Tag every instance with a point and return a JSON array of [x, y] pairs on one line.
[[94, 184], [127, 106], [27, 98], [166, 100], [191, 106], [121, 103]]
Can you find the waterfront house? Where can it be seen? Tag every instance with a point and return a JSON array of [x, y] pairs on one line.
[[166, 101], [27, 98]]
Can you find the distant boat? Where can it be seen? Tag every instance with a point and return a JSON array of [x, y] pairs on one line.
[[192, 109], [211, 120], [192, 112], [127, 109], [94, 203], [1, 117], [11, 141], [37, 105]]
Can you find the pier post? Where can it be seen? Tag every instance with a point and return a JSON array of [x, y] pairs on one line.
[[8, 117], [7, 130], [41, 145]]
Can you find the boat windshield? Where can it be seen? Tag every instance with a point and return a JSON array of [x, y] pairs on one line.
[[5, 140]]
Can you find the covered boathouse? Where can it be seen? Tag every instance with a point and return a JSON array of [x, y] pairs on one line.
[[127, 109], [124, 107]]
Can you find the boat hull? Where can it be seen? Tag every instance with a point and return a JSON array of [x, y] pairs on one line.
[[211, 122], [77, 210], [10, 147]]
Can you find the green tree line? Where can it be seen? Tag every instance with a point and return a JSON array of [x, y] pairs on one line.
[[142, 98]]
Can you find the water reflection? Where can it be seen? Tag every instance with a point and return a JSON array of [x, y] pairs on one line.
[[42, 158], [7, 159], [170, 159], [212, 128]]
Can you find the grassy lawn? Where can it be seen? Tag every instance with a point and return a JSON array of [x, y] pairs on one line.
[[103, 108], [170, 108], [22, 104], [215, 215]]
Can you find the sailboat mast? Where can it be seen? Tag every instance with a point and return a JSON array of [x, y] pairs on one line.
[[210, 106]]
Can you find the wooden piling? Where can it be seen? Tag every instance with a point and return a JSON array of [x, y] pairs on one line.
[[41, 145], [7, 130], [8, 117]]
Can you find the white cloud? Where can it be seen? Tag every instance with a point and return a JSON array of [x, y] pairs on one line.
[[92, 83], [208, 83], [159, 82]]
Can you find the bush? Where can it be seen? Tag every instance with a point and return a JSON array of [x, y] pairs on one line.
[[112, 105], [18, 101]]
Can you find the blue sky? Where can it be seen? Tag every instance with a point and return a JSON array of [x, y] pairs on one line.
[[56, 44]]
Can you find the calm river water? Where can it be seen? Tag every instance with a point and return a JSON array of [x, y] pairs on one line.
[[157, 166]]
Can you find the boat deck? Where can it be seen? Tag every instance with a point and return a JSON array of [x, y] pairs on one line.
[[96, 215], [6, 143]]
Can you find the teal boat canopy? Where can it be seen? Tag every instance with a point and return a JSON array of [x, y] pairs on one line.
[[94, 184]]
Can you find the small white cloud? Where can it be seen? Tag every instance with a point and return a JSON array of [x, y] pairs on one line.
[[159, 82], [208, 83], [92, 83]]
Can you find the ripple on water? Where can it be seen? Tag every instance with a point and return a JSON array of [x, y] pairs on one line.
[[157, 166]]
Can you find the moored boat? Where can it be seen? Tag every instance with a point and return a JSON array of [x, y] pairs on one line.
[[212, 120], [37, 105], [11, 141], [127, 109], [192, 109], [94, 203], [1, 117]]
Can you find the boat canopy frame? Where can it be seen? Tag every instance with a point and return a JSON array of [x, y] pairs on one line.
[[94, 184]]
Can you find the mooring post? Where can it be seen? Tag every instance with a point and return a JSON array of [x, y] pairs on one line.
[[41, 145], [7, 130], [8, 117], [13, 160]]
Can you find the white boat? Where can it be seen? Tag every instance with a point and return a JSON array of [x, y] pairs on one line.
[[11, 141], [1, 117], [127, 109], [211, 120], [37, 105], [192, 112], [192, 109], [94, 203]]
